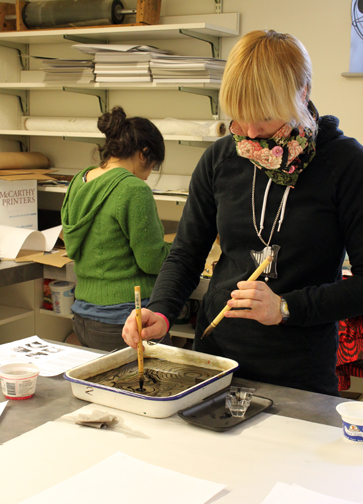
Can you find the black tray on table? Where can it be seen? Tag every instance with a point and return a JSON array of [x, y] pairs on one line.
[[211, 413]]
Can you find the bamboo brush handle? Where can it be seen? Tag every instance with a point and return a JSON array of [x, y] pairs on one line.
[[254, 276], [140, 348]]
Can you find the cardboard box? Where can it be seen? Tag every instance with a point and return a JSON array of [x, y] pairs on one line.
[[19, 203]]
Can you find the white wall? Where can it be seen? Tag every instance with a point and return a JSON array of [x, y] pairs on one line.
[[324, 27]]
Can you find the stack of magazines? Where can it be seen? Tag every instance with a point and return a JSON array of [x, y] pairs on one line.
[[122, 63], [186, 69], [67, 70]]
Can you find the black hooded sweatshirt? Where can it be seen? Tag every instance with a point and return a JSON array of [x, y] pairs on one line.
[[323, 220]]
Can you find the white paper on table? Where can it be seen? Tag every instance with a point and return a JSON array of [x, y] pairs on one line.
[[121, 478], [3, 406], [51, 359], [286, 494], [12, 239]]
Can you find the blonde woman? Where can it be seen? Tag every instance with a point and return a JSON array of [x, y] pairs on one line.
[[285, 183]]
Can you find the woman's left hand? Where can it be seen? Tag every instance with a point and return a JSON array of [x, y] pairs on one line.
[[256, 301]]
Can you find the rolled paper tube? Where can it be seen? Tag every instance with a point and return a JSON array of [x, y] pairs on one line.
[[23, 160], [215, 128], [170, 126], [167, 126], [77, 124]]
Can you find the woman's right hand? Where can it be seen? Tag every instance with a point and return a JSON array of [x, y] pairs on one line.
[[153, 327]]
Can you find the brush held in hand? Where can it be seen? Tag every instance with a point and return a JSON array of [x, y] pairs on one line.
[[140, 347], [254, 276]]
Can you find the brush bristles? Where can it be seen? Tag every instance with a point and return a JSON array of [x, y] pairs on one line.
[[208, 331]]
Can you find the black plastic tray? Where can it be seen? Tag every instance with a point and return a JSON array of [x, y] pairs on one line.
[[212, 414]]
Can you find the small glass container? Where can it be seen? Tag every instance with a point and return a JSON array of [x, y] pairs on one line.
[[238, 400]]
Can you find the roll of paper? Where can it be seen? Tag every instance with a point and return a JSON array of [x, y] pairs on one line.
[[23, 160], [167, 126], [76, 124], [72, 13], [170, 126]]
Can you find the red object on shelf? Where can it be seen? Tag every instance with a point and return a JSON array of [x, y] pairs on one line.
[[47, 299]]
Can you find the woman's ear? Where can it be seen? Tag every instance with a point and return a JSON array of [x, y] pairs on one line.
[[144, 154]]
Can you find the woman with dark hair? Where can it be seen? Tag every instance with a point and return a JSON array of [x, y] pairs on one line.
[[112, 231]]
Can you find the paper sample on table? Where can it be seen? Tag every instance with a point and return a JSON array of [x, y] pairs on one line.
[[13, 239], [121, 478], [286, 494], [51, 359]]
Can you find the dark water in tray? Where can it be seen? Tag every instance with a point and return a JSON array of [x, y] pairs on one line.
[[162, 378]]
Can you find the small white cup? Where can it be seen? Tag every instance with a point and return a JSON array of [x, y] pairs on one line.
[[18, 380], [352, 417], [62, 296]]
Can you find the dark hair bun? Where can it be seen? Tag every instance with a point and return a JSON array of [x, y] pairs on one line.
[[112, 123], [127, 136]]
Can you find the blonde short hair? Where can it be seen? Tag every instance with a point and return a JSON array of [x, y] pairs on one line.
[[268, 76]]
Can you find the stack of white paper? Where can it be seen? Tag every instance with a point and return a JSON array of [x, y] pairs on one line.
[[184, 69], [121, 63], [75, 71]]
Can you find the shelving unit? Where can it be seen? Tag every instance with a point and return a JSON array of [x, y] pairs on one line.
[[95, 136], [207, 28], [10, 314]]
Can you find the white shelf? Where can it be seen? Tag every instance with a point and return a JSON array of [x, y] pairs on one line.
[[11, 314], [42, 86], [157, 197], [80, 134], [182, 331], [218, 25], [163, 182]]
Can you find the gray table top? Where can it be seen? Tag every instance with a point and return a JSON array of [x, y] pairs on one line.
[[13, 273], [54, 398]]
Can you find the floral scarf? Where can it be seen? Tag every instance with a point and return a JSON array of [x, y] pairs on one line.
[[282, 157]]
